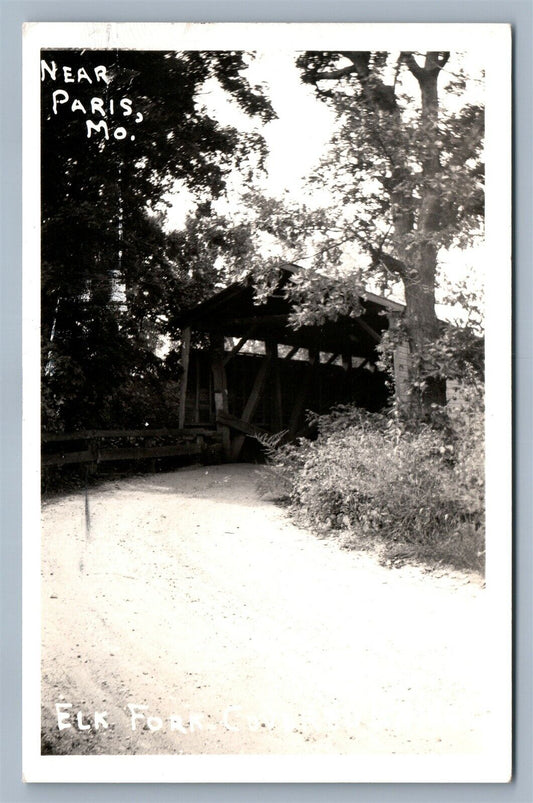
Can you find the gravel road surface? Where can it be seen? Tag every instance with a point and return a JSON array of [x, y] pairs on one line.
[[184, 614]]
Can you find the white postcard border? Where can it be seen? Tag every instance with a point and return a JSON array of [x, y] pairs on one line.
[[494, 42]]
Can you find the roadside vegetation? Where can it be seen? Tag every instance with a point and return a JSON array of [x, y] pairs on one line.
[[414, 493]]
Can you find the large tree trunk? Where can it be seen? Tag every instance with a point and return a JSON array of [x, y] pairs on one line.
[[419, 282], [414, 198]]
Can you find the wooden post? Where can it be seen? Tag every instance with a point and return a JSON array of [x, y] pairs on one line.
[[402, 360], [272, 352], [302, 394], [150, 443], [94, 448], [220, 388], [198, 368], [185, 350], [401, 364], [251, 405], [200, 445], [347, 362]]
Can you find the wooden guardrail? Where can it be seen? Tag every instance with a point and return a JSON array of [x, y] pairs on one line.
[[193, 442]]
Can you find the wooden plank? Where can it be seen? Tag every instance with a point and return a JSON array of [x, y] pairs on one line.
[[255, 394], [220, 387], [386, 303], [203, 313], [251, 405], [240, 425], [132, 453], [208, 433], [197, 391], [277, 418], [280, 319], [238, 346], [185, 350], [368, 329], [299, 402], [83, 435], [144, 453], [66, 458], [59, 437], [402, 365]]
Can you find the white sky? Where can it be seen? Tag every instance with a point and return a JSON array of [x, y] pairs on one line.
[[296, 140]]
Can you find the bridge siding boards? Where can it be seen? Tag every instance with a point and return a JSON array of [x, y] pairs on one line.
[[272, 392], [229, 393]]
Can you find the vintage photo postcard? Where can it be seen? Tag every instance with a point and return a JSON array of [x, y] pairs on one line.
[[267, 402]]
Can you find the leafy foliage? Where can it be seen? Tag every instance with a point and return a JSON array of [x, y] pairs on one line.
[[406, 174], [206, 254], [111, 278], [373, 479], [393, 150]]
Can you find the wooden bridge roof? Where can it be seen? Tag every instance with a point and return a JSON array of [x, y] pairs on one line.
[[234, 312]]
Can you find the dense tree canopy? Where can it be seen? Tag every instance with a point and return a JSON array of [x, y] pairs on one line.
[[119, 129]]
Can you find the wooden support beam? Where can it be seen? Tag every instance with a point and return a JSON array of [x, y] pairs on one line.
[[368, 329], [238, 346], [220, 388], [271, 349], [279, 319], [239, 425], [255, 394], [251, 405], [362, 365], [185, 351], [197, 383], [299, 402], [292, 352], [331, 359]]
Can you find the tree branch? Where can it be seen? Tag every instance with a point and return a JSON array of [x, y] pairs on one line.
[[393, 264], [327, 248], [439, 61], [360, 60], [413, 66], [333, 74], [375, 90]]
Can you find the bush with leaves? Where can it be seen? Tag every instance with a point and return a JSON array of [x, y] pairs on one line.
[[417, 492]]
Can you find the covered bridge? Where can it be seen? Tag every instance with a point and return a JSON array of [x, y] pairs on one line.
[[259, 374]]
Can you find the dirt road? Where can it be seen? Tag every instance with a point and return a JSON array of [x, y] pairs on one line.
[[240, 633]]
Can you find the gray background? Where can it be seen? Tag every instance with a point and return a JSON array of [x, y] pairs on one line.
[[12, 15]]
